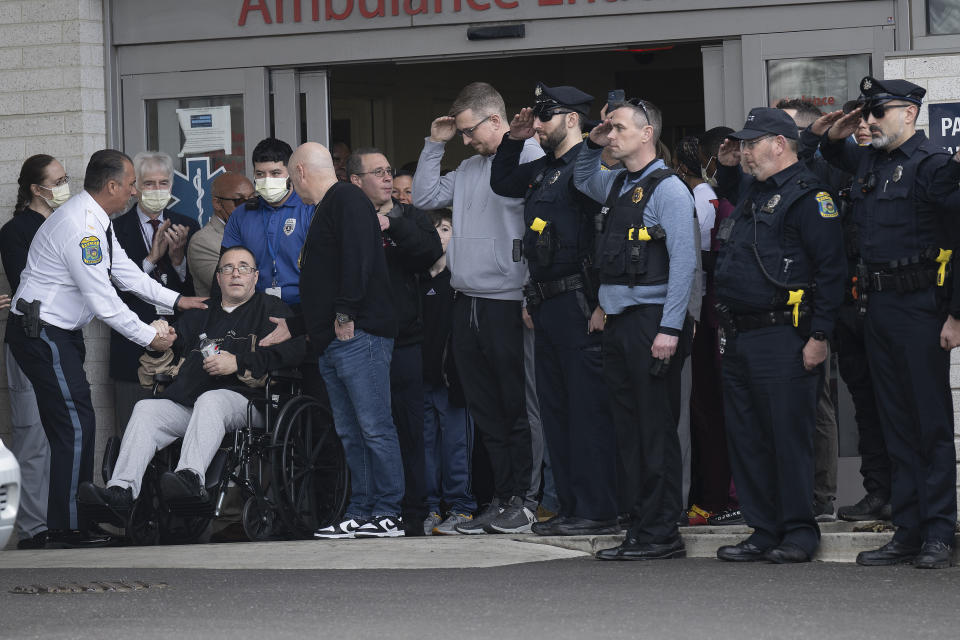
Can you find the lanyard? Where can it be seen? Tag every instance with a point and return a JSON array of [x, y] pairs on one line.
[[271, 249]]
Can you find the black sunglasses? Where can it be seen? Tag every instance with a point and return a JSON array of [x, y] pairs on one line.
[[546, 114], [879, 110], [236, 201], [638, 102]]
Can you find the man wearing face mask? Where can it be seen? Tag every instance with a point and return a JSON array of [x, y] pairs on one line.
[[155, 239], [274, 226]]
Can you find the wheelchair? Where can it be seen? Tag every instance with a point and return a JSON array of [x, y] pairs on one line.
[[291, 473]]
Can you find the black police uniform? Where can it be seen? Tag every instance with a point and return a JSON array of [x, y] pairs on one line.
[[561, 296], [897, 211], [789, 221]]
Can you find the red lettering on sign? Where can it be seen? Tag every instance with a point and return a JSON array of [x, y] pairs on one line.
[[332, 13], [503, 4], [296, 11], [254, 5], [395, 9], [278, 12], [473, 4], [316, 10], [408, 7], [366, 13], [549, 3]]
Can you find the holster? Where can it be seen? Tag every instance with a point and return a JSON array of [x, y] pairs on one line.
[[30, 318], [532, 295]]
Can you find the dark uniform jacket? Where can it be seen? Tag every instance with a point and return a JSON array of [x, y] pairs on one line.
[[124, 354], [237, 332], [15, 238]]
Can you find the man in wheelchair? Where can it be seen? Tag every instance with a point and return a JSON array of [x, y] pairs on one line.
[[209, 395]]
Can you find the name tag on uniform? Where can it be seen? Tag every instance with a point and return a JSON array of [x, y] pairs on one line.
[[273, 291]]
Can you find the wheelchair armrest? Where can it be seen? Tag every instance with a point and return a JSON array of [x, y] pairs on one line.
[[163, 378], [286, 374]]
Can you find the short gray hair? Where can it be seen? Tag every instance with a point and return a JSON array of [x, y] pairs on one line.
[[147, 161]]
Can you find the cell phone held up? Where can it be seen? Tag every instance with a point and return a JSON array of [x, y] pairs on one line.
[[615, 97]]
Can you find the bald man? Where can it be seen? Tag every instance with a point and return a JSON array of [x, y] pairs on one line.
[[350, 318], [230, 190]]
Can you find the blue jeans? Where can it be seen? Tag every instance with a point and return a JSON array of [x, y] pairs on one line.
[[357, 374], [448, 444]]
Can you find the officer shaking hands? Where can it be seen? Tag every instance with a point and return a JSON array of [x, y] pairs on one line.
[[561, 299], [779, 278], [67, 281], [903, 287]]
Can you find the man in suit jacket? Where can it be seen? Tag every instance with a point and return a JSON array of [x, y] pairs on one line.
[[155, 239]]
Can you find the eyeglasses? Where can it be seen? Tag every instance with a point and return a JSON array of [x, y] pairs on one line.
[[59, 183], [379, 172], [750, 144], [470, 131], [879, 110], [638, 102], [228, 269], [236, 201]]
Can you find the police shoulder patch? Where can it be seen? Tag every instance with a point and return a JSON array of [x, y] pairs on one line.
[[90, 250], [827, 208]]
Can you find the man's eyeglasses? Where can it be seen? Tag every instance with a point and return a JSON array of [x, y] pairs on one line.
[[879, 110], [379, 172], [228, 269], [236, 201], [471, 130], [750, 144]]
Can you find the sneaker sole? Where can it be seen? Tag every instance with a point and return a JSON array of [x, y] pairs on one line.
[[385, 534], [333, 536], [453, 532], [678, 554], [492, 528], [887, 563], [946, 564]]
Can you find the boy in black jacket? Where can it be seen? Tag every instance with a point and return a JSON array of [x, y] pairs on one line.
[[210, 394]]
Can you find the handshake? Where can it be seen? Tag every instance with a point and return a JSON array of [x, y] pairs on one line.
[[166, 335]]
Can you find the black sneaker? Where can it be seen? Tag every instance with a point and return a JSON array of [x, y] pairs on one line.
[[381, 527], [38, 541], [119, 498], [182, 485], [728, 517], [344, 530], [823, 511]]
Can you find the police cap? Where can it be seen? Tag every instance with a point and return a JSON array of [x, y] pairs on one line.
[[875, 91], [564, 97], [766, 120]]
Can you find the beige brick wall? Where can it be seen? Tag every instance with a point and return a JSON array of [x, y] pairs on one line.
[[52, 101], [940, 76]]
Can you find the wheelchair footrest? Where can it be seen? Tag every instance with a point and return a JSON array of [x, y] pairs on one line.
[[191, 507], [101, 513]]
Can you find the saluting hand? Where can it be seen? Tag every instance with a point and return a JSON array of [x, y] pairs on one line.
[[729, 153], [837, 124], [521, 127], [220, 364], [599, 133], [443, 129]]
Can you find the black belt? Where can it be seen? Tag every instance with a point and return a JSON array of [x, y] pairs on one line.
[[903, 282], [751, 321], [553, 288]]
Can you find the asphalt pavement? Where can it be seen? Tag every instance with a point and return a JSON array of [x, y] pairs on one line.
[[462, 588]]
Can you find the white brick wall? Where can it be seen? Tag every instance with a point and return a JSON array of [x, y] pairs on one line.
[[52, 101], [940, 76]]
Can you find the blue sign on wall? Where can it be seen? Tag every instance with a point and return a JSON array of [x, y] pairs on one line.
[[192, 195], [945, 125]]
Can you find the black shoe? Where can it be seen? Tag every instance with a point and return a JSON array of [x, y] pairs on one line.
[[823, 511], [787, 553], [68, 539], [118, 498], [741, 552], [183, 485], [549, 527], [631, 549], [871, 507], [891, 553], [38, 541], [934, 555], [728, 517], [585, 527]]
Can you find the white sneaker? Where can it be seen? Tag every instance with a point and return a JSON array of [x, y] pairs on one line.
[[346, 529], [381, 527], [431, 522]]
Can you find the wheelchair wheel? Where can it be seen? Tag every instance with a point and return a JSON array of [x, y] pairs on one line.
[[309, 467], [259, 520], [143, 526]]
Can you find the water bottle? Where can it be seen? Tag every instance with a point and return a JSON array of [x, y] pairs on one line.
[[208, 347]]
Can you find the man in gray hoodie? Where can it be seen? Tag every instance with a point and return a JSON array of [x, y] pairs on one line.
[[487, 329]]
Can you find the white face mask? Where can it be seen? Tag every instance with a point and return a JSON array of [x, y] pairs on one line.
[[709, 179], [60, 193], [156, 200], [272, 189]]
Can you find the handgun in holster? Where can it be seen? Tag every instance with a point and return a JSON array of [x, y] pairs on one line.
[[861, 283], [532, 295], [30, 318], [591, 283], [727, 329]]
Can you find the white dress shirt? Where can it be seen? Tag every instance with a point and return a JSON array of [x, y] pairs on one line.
[[67, 270]]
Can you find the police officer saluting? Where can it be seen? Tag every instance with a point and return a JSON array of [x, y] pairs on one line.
[[779, 279], [901, 281], [561, 298], [67, 281]]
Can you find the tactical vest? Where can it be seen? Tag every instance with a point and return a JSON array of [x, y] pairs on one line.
[[890, 226], [759, 219], [563, 237], [623, 257]]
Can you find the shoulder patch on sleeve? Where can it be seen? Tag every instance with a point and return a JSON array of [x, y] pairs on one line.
[[825, 203], [90, 250]]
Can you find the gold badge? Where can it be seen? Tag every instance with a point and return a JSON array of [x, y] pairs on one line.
[[637, 195], [897, 173], [538, 91]]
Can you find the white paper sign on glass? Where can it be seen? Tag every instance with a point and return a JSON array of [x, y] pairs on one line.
[[205, 129]]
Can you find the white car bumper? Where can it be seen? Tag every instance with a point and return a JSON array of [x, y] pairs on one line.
[[9, 493]]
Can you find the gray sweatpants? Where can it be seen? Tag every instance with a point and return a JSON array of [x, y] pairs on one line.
[[683, 428], [157, 423], [31, 449]]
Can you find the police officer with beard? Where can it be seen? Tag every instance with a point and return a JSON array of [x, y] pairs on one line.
[[779, 279], [561, 299], [903, 286]]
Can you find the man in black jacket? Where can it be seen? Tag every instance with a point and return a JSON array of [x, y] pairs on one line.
[[210, 394], [411, 245], [155, 239]]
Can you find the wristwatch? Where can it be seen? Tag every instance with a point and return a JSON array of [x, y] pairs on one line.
[[819, 336], [343, 318]]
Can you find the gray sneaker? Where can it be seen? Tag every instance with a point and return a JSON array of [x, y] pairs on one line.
[[449, 526], [516, 518], [430, 522], [475, 526]]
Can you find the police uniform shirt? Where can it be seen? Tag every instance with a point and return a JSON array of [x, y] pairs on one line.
[[67, 271], [275, 235]]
